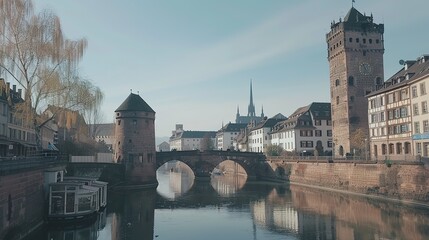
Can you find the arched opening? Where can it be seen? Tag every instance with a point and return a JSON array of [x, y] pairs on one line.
[[375, 151], [383, 149], [407, 148], [341, 151], [175, 178], [398, 148], [351, 81], [228, 177]]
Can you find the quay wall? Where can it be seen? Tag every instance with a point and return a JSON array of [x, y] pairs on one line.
[[405, 181], [22, 203]]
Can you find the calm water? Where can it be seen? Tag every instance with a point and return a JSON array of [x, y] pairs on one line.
[[226, 207]]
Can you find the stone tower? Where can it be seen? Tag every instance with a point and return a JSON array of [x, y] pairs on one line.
[[135, 140], [355, 55]]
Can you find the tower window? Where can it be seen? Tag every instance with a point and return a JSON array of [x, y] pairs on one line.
[[370, 41], [351, 81], [337, 82], [130, 141], [350, 39], [377, 41], [338, 100], [357, 40], [378, 81], [119, 122], [352, 98], [364, 40]]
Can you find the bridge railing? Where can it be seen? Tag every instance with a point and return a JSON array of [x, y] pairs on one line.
[[14, 164]]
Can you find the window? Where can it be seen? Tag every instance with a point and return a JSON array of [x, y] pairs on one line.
[[416, 109], [377, 40], [350, 39], [357, 40], [414, 91], [364, 40], [378, 81], [119, 122], [328, 122], [416, 127], [317, 122], [318, 133], [337, 82], [352, 98], [382, 116], [329, 133], [338, 100], [426, 126], [422, 88], [370, 41], [351, 81], [419, 148], [329, 144], [424, 107], [306, 144], [374, 118]]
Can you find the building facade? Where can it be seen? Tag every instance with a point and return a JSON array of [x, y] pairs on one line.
[[192, 140], [308, 129], [398, 114], [135, 140], [227, 134], [355, 55], [259, 137]]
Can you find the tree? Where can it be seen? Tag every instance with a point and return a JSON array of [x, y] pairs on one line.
[[206, 143], [358, 141], [274, 150], [35, 53]]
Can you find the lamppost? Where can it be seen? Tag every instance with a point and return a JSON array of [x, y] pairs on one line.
[[366, 149]]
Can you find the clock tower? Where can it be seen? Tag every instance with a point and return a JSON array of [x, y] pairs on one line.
[[355, 55]]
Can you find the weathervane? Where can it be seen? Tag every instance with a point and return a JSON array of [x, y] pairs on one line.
[[353, 1]]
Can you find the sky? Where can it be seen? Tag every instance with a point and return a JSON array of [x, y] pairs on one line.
[[192, 61]]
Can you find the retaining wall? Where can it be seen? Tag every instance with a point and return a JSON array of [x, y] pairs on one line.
[[400, 180]]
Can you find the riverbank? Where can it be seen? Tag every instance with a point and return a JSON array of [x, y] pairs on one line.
[[405, 181]]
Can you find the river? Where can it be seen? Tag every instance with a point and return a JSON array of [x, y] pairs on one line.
[[229, 207]]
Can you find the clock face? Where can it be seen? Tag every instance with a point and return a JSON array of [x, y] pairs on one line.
[[365, 68]]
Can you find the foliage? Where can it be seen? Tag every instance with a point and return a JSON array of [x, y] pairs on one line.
[[358, 139], [35, 53], [274, 150], [206, 143]]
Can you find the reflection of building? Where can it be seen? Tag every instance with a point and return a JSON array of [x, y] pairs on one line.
[[228, 184], [134, 218], [180, 182], [277, 217], [399, 115]]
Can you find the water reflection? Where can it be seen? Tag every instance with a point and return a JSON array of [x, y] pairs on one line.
[[174, 179], [229, 208]]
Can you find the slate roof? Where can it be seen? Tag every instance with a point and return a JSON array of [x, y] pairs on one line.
[[415, 70], [134, 103], [194, 134], [233, 127], [103, 129], [354, 20]]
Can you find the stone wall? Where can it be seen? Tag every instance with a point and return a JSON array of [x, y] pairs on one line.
[[21, 203], [402, 181]]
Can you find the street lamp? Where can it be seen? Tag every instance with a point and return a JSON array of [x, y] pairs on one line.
[[366, 149]]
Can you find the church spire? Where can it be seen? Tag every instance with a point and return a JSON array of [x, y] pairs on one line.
[[251, 108], [262, 112]]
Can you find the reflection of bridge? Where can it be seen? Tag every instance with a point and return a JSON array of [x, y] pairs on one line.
[[202, 163]]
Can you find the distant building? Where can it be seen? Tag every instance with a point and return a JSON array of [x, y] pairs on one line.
[[191, 140], [163, 147], [259, 134], [398, 114], [307, 129], [355, 55], [251, 115], [103, 132], [226, 135]]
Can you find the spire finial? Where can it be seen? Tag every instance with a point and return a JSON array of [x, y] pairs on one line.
[[131, 90], [353, 1]]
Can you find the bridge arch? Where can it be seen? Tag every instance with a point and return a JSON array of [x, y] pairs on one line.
[[202, 163]]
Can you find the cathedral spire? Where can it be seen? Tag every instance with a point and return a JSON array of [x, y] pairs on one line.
[[262, 112], [251, 108]]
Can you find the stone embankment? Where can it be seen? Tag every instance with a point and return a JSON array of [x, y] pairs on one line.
[[399, 180]]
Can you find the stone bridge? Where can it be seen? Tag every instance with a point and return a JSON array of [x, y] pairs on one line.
[[202, 163]]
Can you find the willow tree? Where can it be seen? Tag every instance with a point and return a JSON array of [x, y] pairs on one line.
[[35, 53]]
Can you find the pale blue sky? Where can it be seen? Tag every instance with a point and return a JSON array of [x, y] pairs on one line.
[[192, 60]]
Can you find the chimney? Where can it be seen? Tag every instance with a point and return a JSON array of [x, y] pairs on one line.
[[8, 86], [20, 92], [14, 88]]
